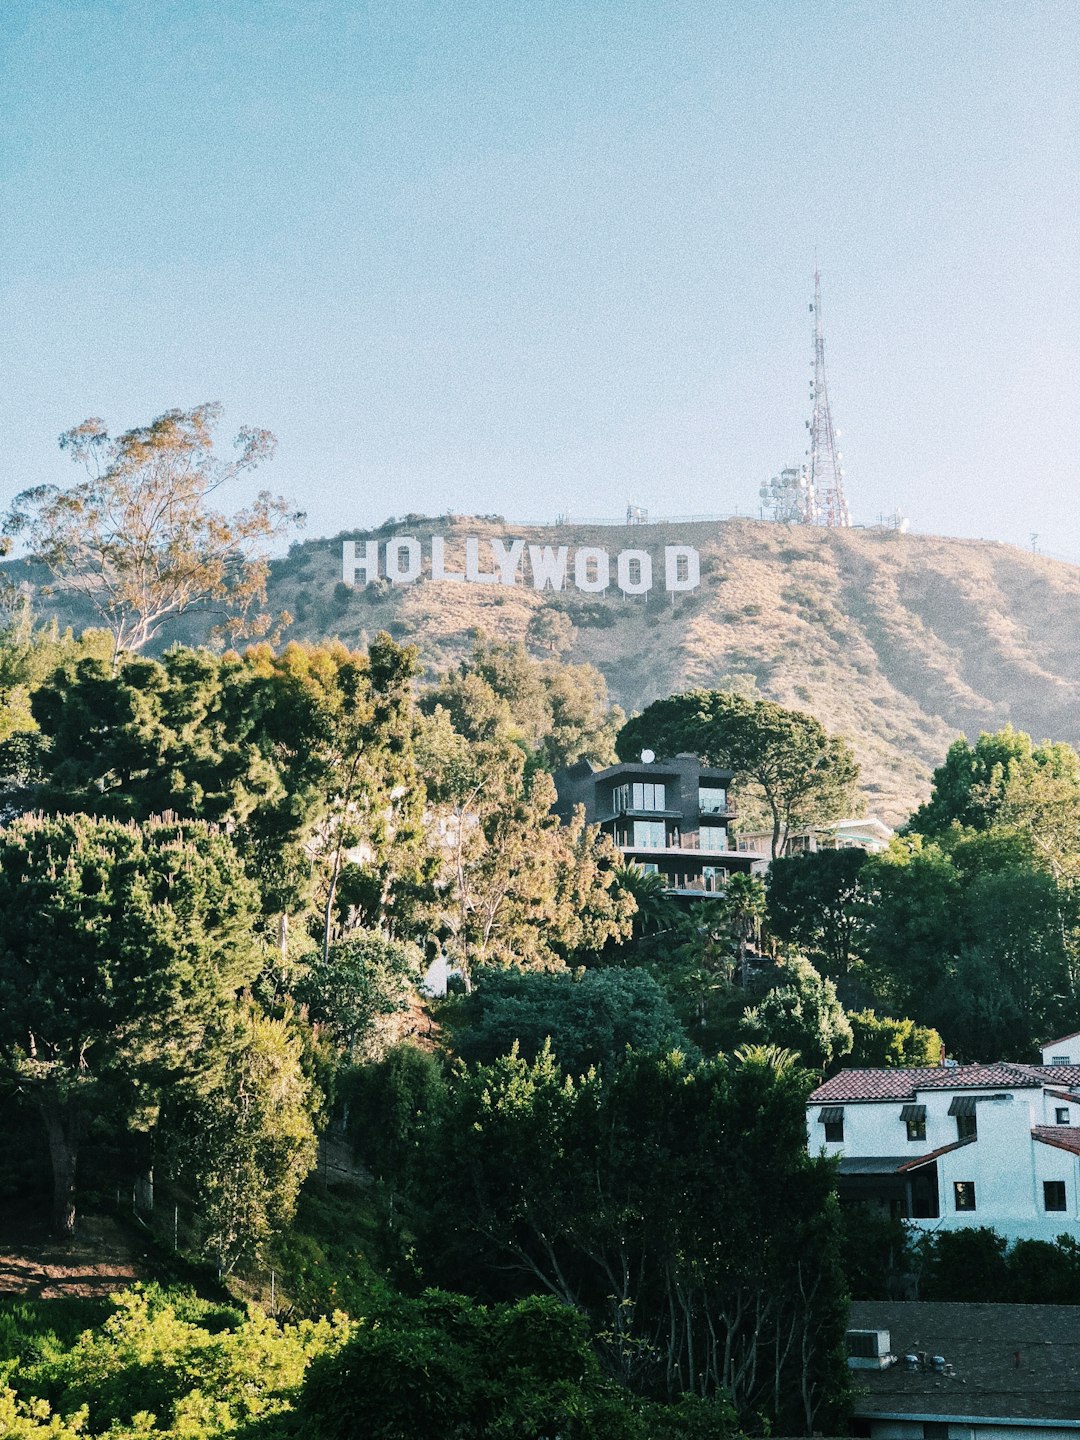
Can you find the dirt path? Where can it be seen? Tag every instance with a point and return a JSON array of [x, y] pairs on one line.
[[100, 1258]]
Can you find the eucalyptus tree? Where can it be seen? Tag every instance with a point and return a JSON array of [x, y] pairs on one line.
[[139, 538]]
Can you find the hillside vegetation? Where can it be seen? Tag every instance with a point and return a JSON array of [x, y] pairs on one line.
[[901, 642]]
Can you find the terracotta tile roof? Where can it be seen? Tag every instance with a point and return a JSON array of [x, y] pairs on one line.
[[933, 1154], [1064, 1095], [904, 1083], [1013, 1361], [1063, 1137], [894, 1084]]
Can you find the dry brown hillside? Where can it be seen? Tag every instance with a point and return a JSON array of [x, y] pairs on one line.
[[901, 642]]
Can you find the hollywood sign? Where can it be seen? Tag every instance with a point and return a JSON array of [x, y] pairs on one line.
[[554, 567]]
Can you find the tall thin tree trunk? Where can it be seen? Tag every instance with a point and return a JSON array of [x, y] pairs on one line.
[[328, 913], [64, 1153]]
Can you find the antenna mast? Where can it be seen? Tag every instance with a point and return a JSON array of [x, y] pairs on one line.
[[823, 498]]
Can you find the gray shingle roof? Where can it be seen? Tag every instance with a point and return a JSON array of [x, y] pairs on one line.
[[1013, 1361]]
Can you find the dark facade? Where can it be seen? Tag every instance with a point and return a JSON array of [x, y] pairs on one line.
[[669, 817]]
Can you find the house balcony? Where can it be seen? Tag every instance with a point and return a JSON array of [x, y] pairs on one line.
[[687, 844]]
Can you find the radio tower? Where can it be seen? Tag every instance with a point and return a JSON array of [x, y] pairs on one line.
[[824, 496]]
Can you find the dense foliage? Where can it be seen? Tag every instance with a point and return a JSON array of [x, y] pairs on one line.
[[597, 1148]]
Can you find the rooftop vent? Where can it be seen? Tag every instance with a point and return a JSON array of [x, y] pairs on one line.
[[868, 1349]]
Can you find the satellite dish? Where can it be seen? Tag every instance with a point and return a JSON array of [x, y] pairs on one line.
[[647, 757]]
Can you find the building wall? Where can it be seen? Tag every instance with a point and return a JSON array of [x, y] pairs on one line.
[[874, 1127], [1005, 1162], [975, 1430], [1067, 1050]]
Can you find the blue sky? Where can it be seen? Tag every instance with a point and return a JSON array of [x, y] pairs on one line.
[[548, 257]]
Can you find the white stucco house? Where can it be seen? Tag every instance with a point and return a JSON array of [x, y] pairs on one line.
[[952, 1146], [869, 834]]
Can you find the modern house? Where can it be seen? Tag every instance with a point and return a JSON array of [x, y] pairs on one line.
[[671, 818], [953, 1146], [869, 834], [934, 1370]]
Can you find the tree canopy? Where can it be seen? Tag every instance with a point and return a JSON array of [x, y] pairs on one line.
[[816, 900], [122, 949], [803, 775], [139, 538]]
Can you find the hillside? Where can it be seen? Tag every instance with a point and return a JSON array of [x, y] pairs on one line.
[[901, 642]]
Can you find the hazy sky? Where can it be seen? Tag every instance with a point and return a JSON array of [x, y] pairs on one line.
[[533, 257]]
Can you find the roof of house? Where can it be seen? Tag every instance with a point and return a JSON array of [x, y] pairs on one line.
[[1011, 1361], [904, 1083], [1072, 1035], [933, 1154], [1062, 1137]]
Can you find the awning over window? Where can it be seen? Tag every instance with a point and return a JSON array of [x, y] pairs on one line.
[[963, 1105], [830, 1114], [914, 1112]]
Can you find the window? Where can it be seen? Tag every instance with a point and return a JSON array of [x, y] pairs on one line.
[[1053, 1194], [641, 795], [713, 878], [963, 1194], [914, 1117], [1060, 1060], [712, 837], [711, 799], [649, 835], [649, 797], [832, 1118], [963, 1109], [650, 868], [1061, 1115]]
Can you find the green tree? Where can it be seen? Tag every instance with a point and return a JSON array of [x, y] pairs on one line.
[[164, 1364], [1004, 779], [880, 1257], [600, 1192], [557, 713], [816, 901], [305, 755], [244, 1145], [440, 1364], [121, 951], [515, 886], [551, 630], [880, 1042], [965, 1265], [804, 1016], [655, 911], [30, 651], [590, 1017], [744, 909], [139, 539], [358, 984], [802, 775], [388, 1102], [973, 936]]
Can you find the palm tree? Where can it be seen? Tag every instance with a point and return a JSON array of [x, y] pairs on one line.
[[744, 897], [655, 911]]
